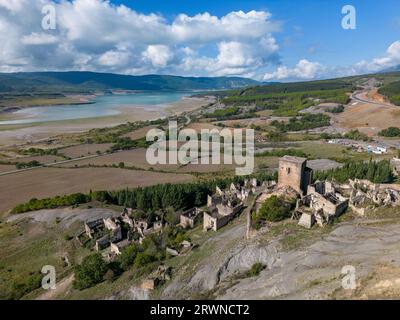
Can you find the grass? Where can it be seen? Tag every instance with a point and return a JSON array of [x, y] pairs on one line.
[[321, 149], [26, 247], [292, 236]]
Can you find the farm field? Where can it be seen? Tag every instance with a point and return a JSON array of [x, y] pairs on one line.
[[6, 168], [322, 150], [49, 182], [139, 133], [41, 159], [131, 158], [84, 150]]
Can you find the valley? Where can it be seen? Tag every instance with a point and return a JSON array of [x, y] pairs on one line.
[[101, 163]]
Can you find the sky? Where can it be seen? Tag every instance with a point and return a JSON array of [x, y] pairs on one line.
[[274, 40]]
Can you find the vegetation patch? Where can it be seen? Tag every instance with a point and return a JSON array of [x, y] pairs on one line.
[[282, 153], [30, 164], [306, 122], [392, 92], [356, 135], [390, 132], [374, 171], [256, 269], [274, 209]]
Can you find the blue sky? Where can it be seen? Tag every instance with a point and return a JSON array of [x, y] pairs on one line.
[[272, 40], [308, 25]]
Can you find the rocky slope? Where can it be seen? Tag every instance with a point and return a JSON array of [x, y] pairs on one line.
[[311, 271]]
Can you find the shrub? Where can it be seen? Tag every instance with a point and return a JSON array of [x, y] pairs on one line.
[[30, 164], [19, 289], [256, 269], [283, 152], [357, 135], [142, 259], [338, 109], [90, 272], [390, 132], [128, 256], [306, 122], [274, 209]]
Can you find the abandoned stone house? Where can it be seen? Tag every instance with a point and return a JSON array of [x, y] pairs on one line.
[[218, 216], [396, 166], [162, 274], [126, 218], [224, 205], [144, 228], [108, 232], [92, 227], [113, 225], [294, 173], [189, 218], [158, 225], [117, 248], [102, 243], [321, 204], [364, 192]]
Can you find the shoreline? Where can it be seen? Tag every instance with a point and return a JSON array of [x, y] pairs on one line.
[[17, 134]]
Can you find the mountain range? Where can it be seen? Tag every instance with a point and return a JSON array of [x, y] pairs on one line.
[[91, 81]]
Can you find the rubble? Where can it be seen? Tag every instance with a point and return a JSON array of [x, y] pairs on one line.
[[380, 194], [188, 218], [162, 274], [224, 205], [107, 232], [396, 166]]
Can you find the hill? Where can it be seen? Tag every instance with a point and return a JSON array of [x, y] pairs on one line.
[[62, 82]]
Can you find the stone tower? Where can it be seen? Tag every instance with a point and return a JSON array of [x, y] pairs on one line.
[[294, 173]]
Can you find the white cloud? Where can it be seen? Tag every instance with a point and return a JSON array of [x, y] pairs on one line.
[[12, 5], [307, 70], [158, 55], [304, 70], [390, 59], [113, 58], [39, 39], [97, 35]]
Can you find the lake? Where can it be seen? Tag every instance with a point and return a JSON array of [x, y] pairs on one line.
[[107, 105]]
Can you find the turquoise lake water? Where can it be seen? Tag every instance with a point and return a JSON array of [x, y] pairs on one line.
[[107, 105]]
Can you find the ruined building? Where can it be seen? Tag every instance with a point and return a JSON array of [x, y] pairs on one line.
[[189, 217], [294, 173], [321, 204], [223, 206]]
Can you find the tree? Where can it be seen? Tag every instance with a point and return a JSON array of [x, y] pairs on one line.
[[274, 209], [90, 272], [390, 132], [127, 257]]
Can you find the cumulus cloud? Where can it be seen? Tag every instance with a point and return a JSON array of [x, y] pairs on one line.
[[308, 70], [158, 55], [390, 59], [97, 35], [12, 5], [39, 39], [304, 70]]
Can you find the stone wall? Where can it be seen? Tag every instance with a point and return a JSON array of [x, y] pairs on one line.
[[290, 174]]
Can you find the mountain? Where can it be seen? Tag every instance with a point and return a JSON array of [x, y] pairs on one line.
[[91, 81], [391, 69]]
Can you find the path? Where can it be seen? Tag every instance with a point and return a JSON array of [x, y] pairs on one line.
[[61, 288]]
